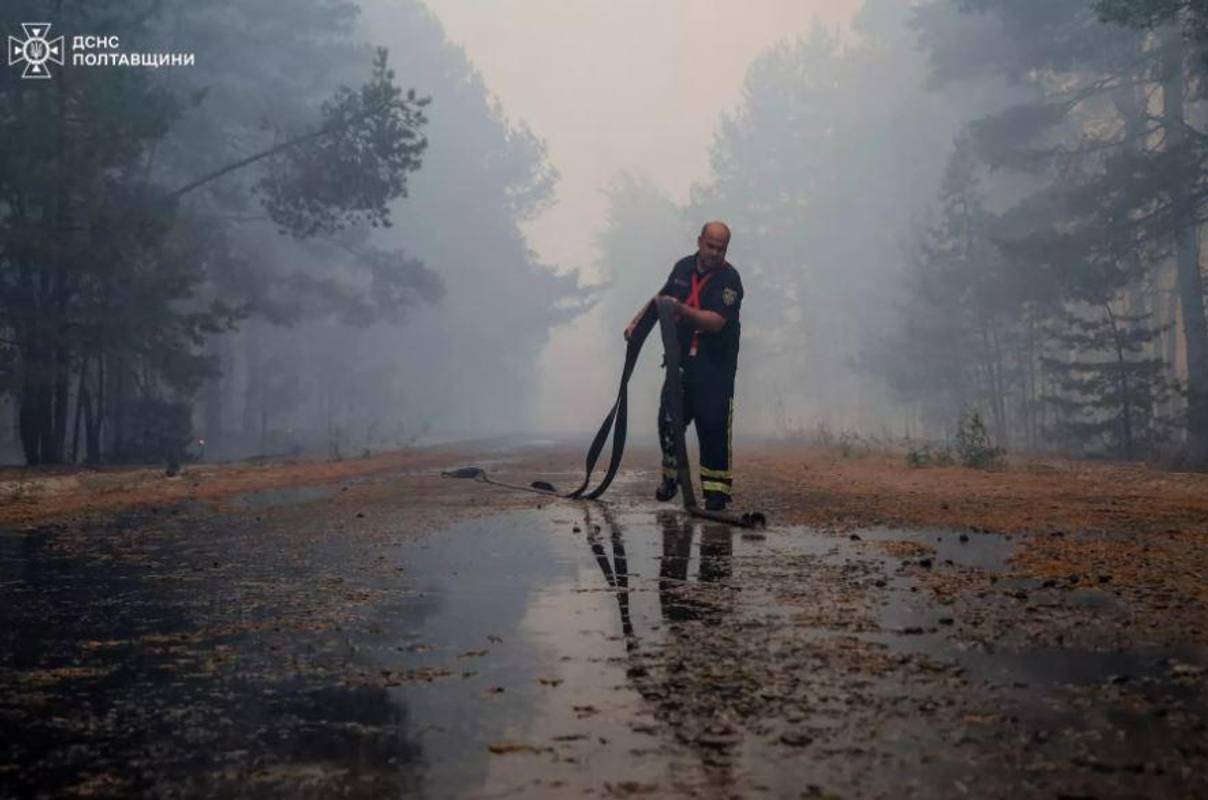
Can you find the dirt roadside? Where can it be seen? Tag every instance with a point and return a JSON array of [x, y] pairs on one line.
[[794, 484], [1037, 631], [67, 496], [1132, 524]]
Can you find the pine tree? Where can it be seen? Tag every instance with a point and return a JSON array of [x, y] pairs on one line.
[[104, 265], [1106, 138], [964, 338], [1108, 392]]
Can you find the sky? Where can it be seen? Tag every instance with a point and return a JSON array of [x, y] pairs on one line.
[[620, 85], [615, 86]]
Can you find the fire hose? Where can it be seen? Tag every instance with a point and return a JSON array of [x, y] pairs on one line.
[[662, 311]]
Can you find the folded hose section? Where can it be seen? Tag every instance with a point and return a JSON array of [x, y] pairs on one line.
[[616, 422]]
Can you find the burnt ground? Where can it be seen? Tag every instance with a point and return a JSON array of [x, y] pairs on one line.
[[368, 628]]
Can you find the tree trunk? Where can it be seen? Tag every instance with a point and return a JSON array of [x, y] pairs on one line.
[[1030, 398], [81, 397], [255, 380], [1000, 388], [58, 292], [1126, 402], [46, 290], [116, 402], [59, 403], [31, 414], [1190, 283], [94, 417], [212, 394]]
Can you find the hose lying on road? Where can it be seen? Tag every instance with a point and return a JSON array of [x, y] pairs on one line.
[[616, 423]]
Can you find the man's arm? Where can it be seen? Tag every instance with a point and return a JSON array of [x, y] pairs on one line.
[[707, 321], [701, 319]]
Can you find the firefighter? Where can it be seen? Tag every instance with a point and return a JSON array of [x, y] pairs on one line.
[[708, 295]]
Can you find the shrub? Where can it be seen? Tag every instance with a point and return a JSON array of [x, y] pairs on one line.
[[973, 442], [926, 455], [852, 444]]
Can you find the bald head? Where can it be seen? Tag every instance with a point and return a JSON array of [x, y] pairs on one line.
[[716, 228], [711, 245]]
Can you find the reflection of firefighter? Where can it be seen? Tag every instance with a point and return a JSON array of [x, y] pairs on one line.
[[661, 681], [676, 597], [616, 573], [708, 294]]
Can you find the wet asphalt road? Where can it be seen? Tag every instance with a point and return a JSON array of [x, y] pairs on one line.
[[288, 647]]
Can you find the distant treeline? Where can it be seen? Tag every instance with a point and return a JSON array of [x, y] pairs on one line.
[[970, 205], [288, 243]]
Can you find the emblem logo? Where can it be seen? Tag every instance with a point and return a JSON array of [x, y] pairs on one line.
[[36, 51], [729, 296]]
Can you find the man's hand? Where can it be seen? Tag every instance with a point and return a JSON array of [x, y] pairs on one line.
[[680, 311], [707, 321], [677, 307], [633, 323]]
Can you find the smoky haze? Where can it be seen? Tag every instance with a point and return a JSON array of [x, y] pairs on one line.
[[310, 243]]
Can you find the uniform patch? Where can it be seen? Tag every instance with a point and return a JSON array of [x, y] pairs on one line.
[[729, 296]]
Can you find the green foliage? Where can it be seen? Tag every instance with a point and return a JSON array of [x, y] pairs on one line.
[[973, 444], [88, 261], [927, 454], [853, 445], [382, 323], [849, 443], [1109, 394], [1190, 15], [965, 323], [354, 165], [1147, 13], [1113, 187], [822, 170], [112, 286], [973, 447]]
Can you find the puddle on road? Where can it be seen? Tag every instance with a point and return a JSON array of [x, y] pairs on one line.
[[572, 649], [553, 652], [981, 550], [531, 624]]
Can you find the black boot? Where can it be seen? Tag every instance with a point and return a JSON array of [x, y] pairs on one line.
[[667, 490], [715, 501]]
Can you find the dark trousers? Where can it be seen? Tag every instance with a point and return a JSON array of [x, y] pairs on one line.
[[708, 401]]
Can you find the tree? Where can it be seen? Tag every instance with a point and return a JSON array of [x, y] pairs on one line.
[[643, 236], [471, 363], [108, 292], [1189, 15], [68, 141], [454, 343], [1108, 392], [824, 170], [1107, 136], [967, 336]]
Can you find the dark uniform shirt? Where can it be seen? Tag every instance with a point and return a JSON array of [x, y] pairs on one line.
[[717, 352]]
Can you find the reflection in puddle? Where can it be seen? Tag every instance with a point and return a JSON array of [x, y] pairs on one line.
[[980, 550], [549, 622], [668, 652], [547, 652]]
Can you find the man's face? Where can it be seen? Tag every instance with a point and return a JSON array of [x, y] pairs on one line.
[[711, 248]]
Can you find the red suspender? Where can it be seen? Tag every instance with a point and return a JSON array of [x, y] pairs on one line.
[[693, 301]]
